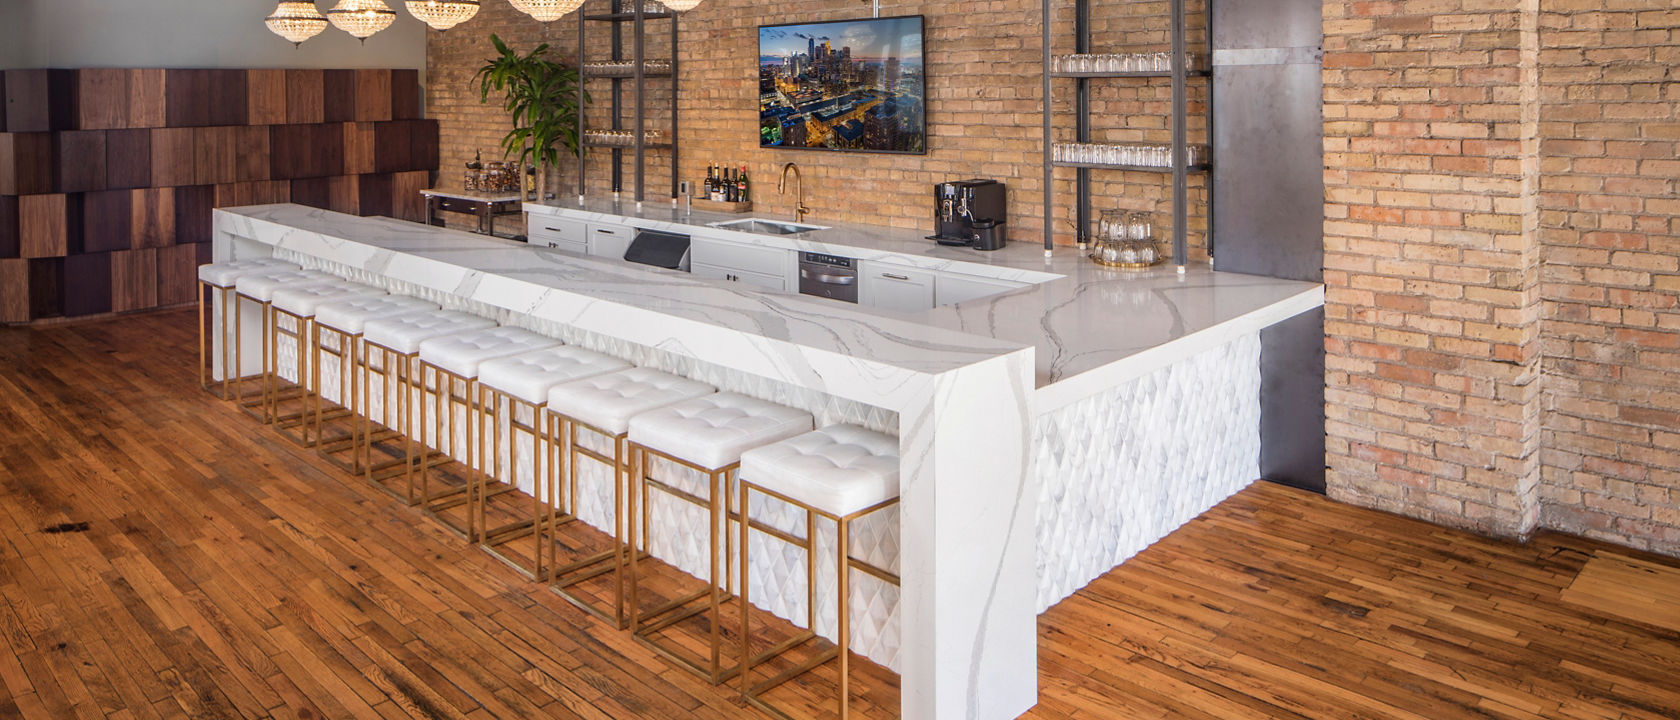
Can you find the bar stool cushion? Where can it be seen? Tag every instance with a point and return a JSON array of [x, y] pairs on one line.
[[348, 315], [305, 300], [224, 274], [839, 469], [607, 402], [530, 375], [261, 285], [462, 354], [404, 333], [713, 430]]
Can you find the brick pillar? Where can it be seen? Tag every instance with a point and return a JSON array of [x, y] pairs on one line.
[[1431, 260]]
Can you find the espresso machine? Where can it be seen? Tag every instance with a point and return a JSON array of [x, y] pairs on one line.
[[970, 213]]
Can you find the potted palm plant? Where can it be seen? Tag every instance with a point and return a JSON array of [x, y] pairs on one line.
[[541, 95]]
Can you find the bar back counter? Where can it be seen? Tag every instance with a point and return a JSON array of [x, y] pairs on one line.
[[1045, 435]]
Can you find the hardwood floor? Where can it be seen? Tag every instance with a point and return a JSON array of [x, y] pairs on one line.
[[164, 556]]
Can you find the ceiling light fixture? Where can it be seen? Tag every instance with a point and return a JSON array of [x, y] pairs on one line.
[[296, 20], [443, 14], [680, 5], [546, 10], [361, 18]]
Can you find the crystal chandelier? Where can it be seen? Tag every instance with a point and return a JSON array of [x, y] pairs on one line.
[[546, 10], [296, 20], [680, 5], [443, 14], [361, 18]]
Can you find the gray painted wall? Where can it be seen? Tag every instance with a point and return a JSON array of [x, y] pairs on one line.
[[188, 34]]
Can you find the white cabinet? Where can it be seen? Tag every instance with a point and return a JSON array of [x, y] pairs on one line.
[[951, 289], [763, 280], [894, 287], [554, 232], [769, 267], [610, 240]]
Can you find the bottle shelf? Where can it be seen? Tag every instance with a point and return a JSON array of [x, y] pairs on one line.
[[627, 16], [1193, 169], [1128, 74]]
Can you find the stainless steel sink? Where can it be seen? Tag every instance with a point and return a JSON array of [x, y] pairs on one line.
[[764, 226]]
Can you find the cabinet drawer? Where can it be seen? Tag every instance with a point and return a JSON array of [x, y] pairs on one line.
[[544, 230], [610, 240], [953, 289], [899, 289], [768, 282], [748, 258]]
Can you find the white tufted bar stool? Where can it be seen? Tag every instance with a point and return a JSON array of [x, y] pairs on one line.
[[842, 473], [707, 434], [603, 405], [297, 305], [216, 282], [522, 383], [396, 342], [341, 323], [259, 287], [454, 359]]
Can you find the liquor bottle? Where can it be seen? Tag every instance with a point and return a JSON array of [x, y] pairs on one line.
[[734, 192], [744, 193], [717, 187], [711, 181]]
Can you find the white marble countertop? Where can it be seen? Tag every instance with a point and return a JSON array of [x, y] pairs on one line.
[[1092, 327]]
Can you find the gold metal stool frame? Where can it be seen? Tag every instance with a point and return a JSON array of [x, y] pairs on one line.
[[354, 400], [308, 384], [542, 495], [843, 564], [472, 493], [231, 350], [562, 579], [246, 403], [720, 514], [396, 371]]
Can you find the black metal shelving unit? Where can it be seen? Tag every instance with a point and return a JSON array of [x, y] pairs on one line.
[[636, 18], [1180, 73]]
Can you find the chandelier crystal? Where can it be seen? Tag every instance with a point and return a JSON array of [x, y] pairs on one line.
[[546, 10], [296, 20], [361, 18], [680, 5], [443, 14]]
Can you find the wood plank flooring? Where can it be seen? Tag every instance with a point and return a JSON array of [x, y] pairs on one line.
[[161, 555]]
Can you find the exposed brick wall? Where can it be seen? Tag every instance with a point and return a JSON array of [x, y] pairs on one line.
[[1610, 229], [1501, 264], [983, 66]]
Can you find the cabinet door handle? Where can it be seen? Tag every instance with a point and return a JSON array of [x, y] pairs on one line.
[[606, 232], [895, 277], [545, 227]]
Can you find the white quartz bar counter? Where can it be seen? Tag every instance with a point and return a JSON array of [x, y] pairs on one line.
[[1093, 327]]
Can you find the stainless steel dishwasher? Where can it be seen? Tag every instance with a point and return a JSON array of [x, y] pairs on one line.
[[828, 276]]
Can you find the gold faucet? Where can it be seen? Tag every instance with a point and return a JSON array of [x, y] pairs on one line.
[[799, 209]]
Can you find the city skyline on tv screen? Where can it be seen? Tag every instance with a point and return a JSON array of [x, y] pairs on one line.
[[845, 85]]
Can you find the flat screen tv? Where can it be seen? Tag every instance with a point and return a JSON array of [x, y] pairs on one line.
[[848, 85]]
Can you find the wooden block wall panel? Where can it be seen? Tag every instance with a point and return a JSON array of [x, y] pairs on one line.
[[338, 96], [374, 194], [87, 284], [106, 218], [46, 287], [313, 192], [344, 195], [26, 163], [128, 158], [251, 153], [228, 102], [49, 225], [304, 96], [177, 273], [8, 226], [148, 100], [187, 95], [265, 97], [134, 280], [405, 94], [406, 201], [192, 213], [79, 156], [14, 290], [358, 148], [152, 217], [173, 159], [424, 145], [2, 102], [214, 155], [373, 95], [273, 191], [102, 99], [39, 100], [393, 146], [306, 151]]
